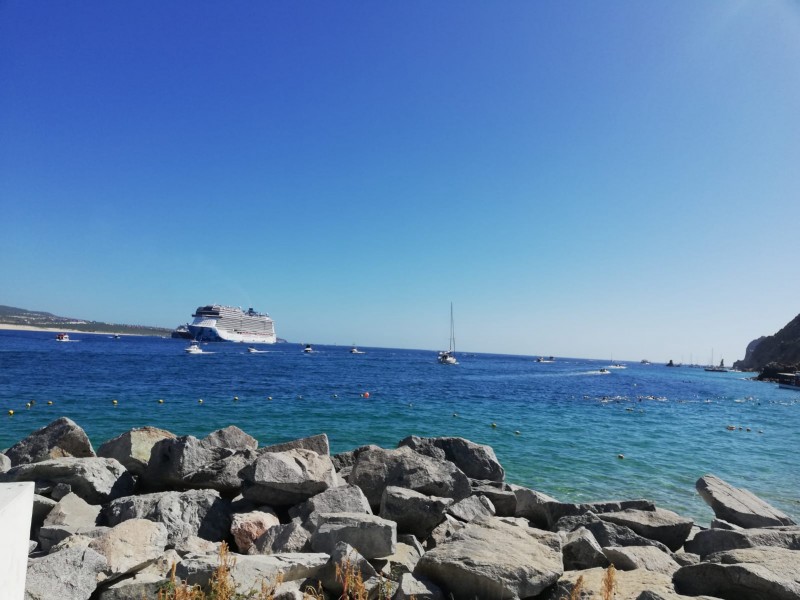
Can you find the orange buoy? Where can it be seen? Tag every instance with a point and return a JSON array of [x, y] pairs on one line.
[[366, 394]]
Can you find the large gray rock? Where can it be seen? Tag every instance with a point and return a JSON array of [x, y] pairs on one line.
[[41, 508], [739, 506], [376, 469], [55, 537], [530, 504], [345, 498], [413, 512], [291, 537], [247, 527], [131, 545], [96, 480], [472, 508], [61, 438], [201, 513], [748, 574], [501, 494], [710, 541], [581, 551], [492, 559], [344, 559], [372, 536], [638, 584], [251, 570], [132, 448], [71, 574], [5, 463], [404, 560], [554, 511], [73, 510], [444, 531], [288, 478], [145, 583], [189, 463], [230, 437], [474, 460], [661, 525], [418, 588], [315, 443], [641, 557], [607, 533]]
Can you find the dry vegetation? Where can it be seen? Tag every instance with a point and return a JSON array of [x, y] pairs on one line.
[[609, 585]]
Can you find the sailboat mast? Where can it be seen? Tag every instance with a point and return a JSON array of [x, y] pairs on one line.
[[452, 331]]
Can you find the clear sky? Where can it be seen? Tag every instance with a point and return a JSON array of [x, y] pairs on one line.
[[579, 178]]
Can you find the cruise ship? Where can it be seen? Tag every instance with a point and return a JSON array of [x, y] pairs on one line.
[[217, 323]]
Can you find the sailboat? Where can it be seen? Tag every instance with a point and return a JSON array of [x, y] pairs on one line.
[[448, 357], [720, 369], [616, 365]]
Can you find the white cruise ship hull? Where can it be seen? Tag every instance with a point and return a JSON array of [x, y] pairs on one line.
[[217, 323]]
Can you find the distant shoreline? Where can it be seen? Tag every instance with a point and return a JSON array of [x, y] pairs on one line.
[[12, 327]]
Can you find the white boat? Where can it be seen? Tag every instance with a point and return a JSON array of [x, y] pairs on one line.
[[615, 365], [308, 349], [448, 357], [194, 348], [62, 337], [720, 369], [355, 350], [542, 359], [217, 323]]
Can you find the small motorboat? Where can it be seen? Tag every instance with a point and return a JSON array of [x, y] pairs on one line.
[[604, 371], [355, 350], [62, 337], [194, 348], [542, 359], [308, 349]]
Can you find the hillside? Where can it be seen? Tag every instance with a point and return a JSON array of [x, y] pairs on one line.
[[20, 317], [782, 349]]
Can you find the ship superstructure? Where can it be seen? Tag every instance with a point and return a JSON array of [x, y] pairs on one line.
[[218, 323]]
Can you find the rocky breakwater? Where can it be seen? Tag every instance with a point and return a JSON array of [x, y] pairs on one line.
[[431, 519]]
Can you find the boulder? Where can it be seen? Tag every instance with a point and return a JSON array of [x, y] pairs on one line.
[[553, 511], [491, 559], [345, 498], [200, 513], [247, 527], [61, 438], [230, 437], [710, 541], [404, 560], [417, 588], [530, 504], [641, 557], [96, 480], [372, 536], [131, 546], [469, 509], [661, 525], [196, 545], [188, 463], [60, 490], [41, 508], [144, 584], [52, 538], [73, 510], [5, 463], [71, 574], [315, 443], [501, 495], [444, 531], [288, 478], [607, 533], [250, 571], [474, 460], [581, 551], [291, 537], [345, 562], [132, 448], [747, 574], [638, 584], [413, 512], [739, 506], [376, 469]]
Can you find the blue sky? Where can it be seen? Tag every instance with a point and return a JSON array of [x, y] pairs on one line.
[[578, 178]]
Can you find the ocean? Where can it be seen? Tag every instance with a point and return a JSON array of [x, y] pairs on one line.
[[556, 427]]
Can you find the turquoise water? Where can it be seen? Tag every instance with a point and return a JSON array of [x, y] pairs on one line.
[[572, 422]]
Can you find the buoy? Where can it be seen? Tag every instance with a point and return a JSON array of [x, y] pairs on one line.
[[494, 425], [10, 413], [114, 402], [748, 429], [160, 401], [50, 402], [731, 428], [411, 404], [200, 401], [28, 405], [269, 397], [516, 432], [236, 398], [299, 397], [33, 401], [455, 414], [366, 394], [620, 456], [336, 395]]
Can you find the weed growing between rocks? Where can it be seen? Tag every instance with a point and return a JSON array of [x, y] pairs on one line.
[[609, 583], [577, 590]]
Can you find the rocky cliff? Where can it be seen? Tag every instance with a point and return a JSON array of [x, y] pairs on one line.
[[781, 351]]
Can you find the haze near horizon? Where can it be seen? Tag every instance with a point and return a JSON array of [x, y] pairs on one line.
[[578, 179]]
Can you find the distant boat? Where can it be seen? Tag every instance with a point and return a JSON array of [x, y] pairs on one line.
[[116, 336], [720, 369], [181, 332], [542, 359], [644, 361], [62, 337], [616, 365], [194, 348], [789, 381], [448, 357], [604, 371], [355, 350], [308, 349]]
